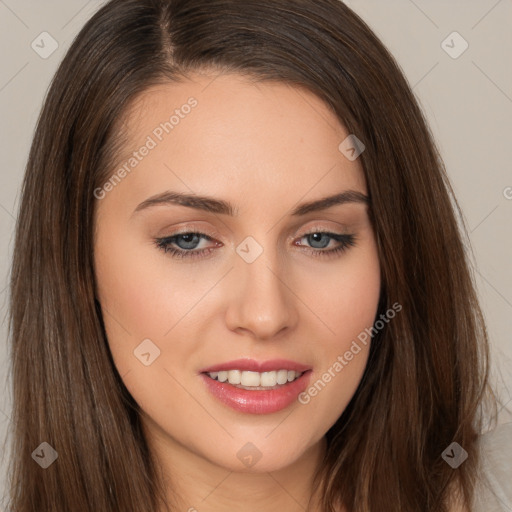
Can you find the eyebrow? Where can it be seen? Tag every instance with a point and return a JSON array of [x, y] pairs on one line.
[[213, 205]]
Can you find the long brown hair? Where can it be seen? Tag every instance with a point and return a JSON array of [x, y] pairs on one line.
[[427, 371]]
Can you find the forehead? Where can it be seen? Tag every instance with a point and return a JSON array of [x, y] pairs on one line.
[[230, 135]]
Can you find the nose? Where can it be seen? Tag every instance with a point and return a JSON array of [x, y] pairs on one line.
[[263, 302]]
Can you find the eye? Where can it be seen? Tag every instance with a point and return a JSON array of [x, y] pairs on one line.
[[321, 239], [187, 243]]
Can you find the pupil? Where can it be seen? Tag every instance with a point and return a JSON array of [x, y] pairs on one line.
[[318, 236], [189, 239]]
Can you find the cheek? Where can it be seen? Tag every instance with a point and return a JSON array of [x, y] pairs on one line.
[[141, 295], [145, 296], [142, 298], [347, 295], [349, 306], [130, 294]]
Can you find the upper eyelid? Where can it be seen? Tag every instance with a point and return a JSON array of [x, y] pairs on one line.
[[214, 234]]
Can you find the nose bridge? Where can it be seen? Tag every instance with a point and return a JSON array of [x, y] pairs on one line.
[[262, 302]]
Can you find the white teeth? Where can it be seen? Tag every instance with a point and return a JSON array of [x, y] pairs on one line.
[[282, 376], [250, 379], [268, 379], [234, 376], [256, 379]]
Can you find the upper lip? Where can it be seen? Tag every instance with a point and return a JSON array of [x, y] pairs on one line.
[[252, 365]]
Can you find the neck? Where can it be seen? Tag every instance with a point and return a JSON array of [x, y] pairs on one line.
[[195, 484]]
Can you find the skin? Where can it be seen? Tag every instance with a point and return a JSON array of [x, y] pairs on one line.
[[265, 148]]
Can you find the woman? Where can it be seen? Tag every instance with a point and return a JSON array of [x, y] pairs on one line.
[[195, 347]]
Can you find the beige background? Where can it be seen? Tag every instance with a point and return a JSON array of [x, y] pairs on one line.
[[468, 101]]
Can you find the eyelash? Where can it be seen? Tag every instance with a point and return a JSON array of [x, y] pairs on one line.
[[164, 244]]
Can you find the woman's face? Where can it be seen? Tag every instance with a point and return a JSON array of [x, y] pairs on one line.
[[256, 297]]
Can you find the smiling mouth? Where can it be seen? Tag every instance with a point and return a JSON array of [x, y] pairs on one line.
[[254, 381], [237, 384]]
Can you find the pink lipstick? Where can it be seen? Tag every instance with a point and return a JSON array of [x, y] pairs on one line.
[[256, 387]]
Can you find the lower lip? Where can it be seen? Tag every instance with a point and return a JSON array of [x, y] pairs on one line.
[[259, 401]]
